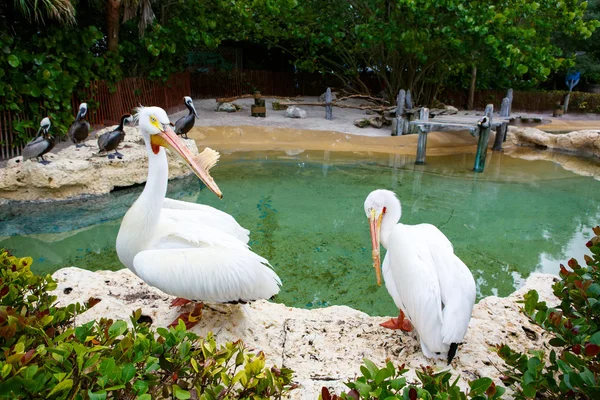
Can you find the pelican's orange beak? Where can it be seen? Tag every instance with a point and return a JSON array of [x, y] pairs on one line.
[[375, 224], [199, 164]]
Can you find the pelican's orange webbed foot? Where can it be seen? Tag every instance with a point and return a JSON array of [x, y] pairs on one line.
[[398, 323], [180, 301], [189, 319]]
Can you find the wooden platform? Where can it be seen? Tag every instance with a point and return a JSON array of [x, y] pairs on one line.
[[424, 125]]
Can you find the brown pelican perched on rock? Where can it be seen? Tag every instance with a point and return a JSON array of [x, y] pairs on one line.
[[110, 140], [80, 129], [184, 124], [41, 144]]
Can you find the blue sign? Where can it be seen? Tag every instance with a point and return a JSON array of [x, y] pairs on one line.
[[572, 79]]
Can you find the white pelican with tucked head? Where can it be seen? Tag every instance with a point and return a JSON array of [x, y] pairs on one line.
[[191, 251], [425, 278]]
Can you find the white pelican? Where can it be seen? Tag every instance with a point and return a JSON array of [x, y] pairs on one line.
[[425, 278], [191, 251]]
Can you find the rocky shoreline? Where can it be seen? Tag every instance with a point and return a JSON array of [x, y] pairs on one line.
[[584, 143], [325, 347], [77, 172]]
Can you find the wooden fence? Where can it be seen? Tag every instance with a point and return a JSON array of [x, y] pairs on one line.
[[235, 83], [524, 101], [105, 106]]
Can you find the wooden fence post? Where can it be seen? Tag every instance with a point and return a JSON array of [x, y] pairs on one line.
[[409, 102], [505, 107], [484, 125], [422, 143], [509, 95], [328, 106], [500, 136], [398, 127]]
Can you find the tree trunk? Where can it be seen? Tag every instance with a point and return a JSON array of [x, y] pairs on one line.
[[112, 24], [471, 100]]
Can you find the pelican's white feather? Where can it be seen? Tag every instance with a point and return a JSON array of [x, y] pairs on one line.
[[212, 274], [433, 287], [188, 250]]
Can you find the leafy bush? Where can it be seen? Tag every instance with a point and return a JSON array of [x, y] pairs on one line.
[[390, 383], [44, 355], [572, 368]]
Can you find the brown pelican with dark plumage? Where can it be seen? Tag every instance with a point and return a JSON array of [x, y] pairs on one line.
[[41, 144], [80, 129], [110, 140], [184, 124]]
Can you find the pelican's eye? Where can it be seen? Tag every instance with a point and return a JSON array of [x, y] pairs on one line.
[[384, 210], [153, 119]]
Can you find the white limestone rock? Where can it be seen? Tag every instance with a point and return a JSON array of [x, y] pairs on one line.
[[227, 107], [295, 112], [585, 142], [75, 172], [325, 347]]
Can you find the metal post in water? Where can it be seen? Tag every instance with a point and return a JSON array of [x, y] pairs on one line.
[[328, 106], [484, 126]]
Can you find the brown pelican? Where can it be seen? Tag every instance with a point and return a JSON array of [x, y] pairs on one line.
[[80, 129], [427, 281], [40, 145], [184, 124], [188, 250], [110, 140]]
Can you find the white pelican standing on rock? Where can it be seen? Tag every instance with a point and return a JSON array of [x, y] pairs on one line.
[[188, 250], [425, 278]]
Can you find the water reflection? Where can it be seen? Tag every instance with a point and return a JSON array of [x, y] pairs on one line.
[[304, 210]]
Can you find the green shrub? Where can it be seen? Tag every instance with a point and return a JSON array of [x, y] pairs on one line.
[[45, 356], [389, 383], [572, 368]]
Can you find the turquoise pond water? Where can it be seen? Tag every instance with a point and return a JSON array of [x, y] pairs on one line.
[[305, 212]]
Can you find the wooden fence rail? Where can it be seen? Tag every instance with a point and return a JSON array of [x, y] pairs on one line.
[[524, 101]]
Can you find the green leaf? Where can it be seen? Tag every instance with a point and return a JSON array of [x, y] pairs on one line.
[[180, 393], [117, 329], [522, 69], [64, 385], [127, 373], [382, 375], [479, 386], [529, 391], [13, 61], [371, 366], [595, 339], [140, 387], [531, 299], [101, 395]]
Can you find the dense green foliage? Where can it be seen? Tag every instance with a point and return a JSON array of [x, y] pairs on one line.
[[54, 48], [43, 62], [390, 383], [572, 368], [420, 44], [587, 60], [45, 356]]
